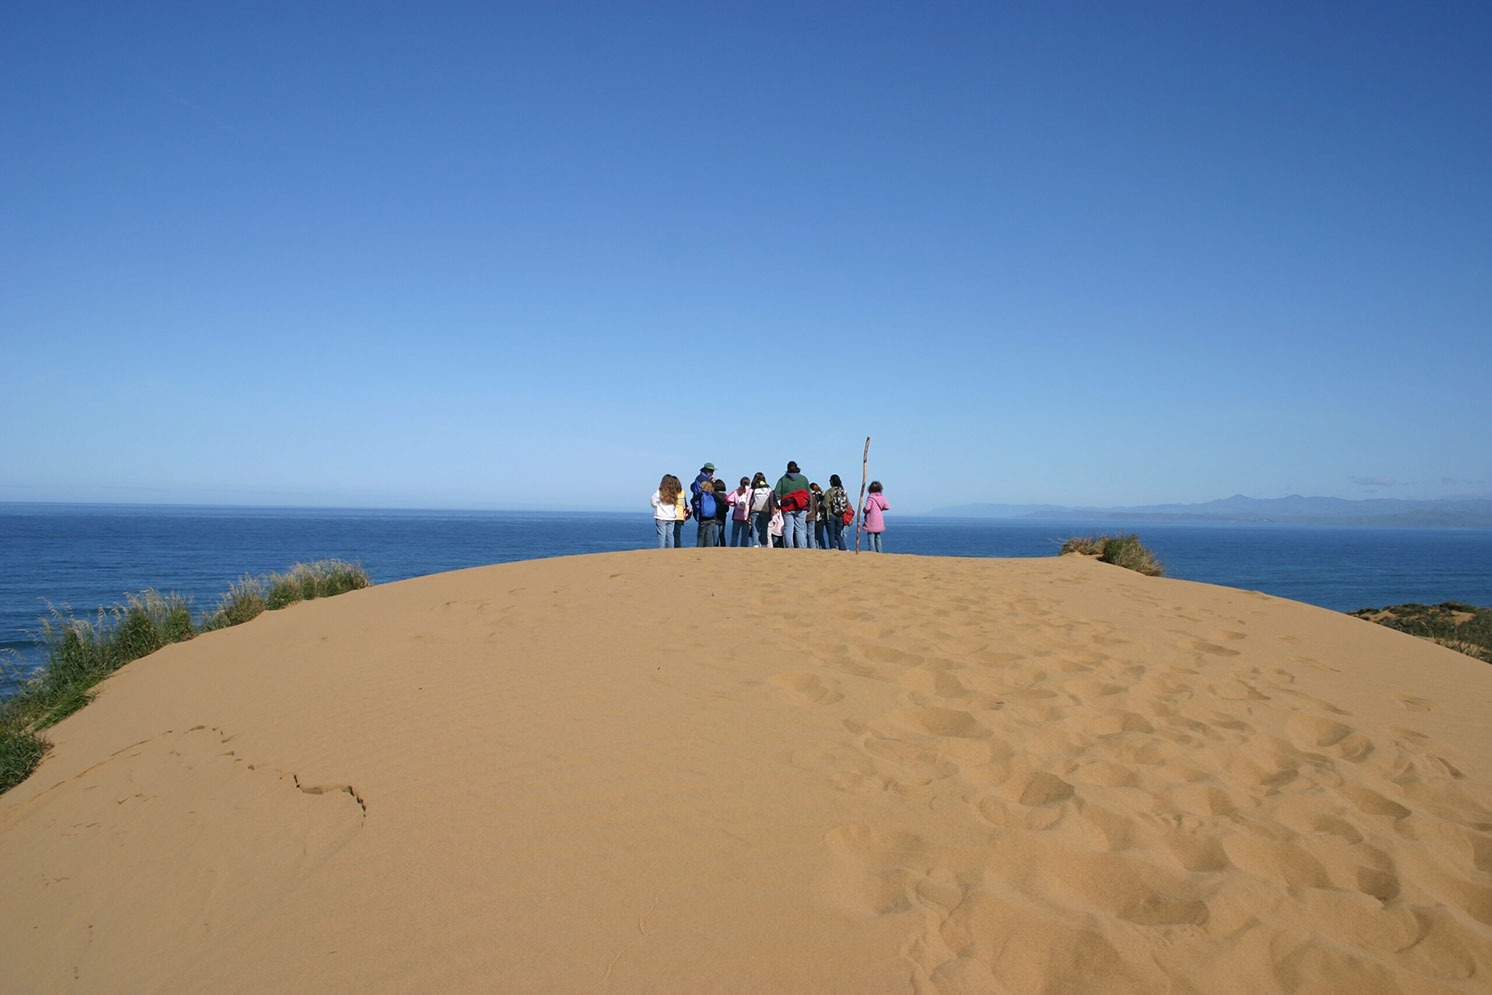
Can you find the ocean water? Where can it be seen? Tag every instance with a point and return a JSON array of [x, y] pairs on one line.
[[84, 556]]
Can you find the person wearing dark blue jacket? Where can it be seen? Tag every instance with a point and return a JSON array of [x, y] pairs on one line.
[[706, 475]]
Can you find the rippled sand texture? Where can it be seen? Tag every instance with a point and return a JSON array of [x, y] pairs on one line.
[[753, 771]]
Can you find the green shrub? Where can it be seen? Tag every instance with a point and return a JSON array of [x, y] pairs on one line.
[[1453, 624], [20, 752], [134, 636], [60, 703], [78, 650], [177, 626], [1123, 550]]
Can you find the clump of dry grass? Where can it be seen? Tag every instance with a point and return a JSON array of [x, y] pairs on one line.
[[1123, 550]]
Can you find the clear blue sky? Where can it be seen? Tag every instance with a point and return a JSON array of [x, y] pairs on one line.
[[534, 255]]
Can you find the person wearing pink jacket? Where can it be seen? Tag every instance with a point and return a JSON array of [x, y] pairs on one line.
[[876, 506]]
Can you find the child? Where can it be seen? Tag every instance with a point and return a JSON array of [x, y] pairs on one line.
[[740, 513], [722, 510], [705, 514], [875, 521], [666, 510], [775, 528]]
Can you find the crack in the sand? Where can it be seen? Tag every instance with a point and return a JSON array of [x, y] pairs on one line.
[[642, 932], [321, 789]]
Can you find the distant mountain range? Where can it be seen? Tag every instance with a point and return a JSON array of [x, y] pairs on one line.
[[1446, 512]]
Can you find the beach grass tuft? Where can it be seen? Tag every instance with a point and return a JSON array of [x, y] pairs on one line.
[[243, 601], [81, 652], [306, 581], [1122, 550], [21, 748], [20, 752]]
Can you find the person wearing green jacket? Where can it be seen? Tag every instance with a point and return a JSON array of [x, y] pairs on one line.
[[794, 522]]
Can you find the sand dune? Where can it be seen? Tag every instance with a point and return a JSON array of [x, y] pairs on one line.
[[747, 771]]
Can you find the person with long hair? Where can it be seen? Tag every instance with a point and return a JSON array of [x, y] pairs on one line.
[[681, 506], [763, 503], [835, 505], [666, 510]]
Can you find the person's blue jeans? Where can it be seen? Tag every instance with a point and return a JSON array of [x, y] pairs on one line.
[[836, 532], [740, 533], [678, 534], [665, 532], [708, 529], [763, 522], [874, 542], [820, 534], [795, 529]]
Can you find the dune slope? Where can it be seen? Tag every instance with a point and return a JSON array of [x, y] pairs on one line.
[[750, 771]]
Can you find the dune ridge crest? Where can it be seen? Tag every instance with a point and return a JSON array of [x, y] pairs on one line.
[[741, 771]]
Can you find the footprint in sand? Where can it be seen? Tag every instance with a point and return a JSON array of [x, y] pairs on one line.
[[1316, 664], [1107, 774], [1112, 828], [1279, 862], [1320, 704], [1114, 723], [1316, 732], [805, 689], [933, 678], [871, 872], [1309, 731], [1134, 890], [1369, 802], [877, 653], [1044, 788], [903, 763], [934, 721], [1081, 689]]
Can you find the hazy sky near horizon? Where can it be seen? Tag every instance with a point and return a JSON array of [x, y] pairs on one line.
[[535, 255]]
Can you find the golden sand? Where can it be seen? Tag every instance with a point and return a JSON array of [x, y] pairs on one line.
[[743, 771]]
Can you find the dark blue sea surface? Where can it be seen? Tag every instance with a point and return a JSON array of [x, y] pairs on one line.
[[84, 556]]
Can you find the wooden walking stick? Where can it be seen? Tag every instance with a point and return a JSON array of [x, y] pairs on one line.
[[860, 507]]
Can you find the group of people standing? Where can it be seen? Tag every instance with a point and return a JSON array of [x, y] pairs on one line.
[[795, 513]]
